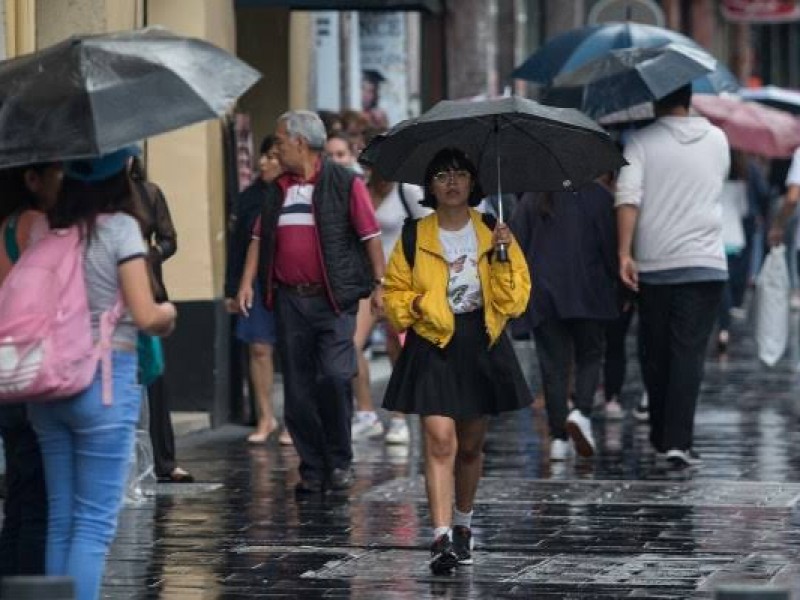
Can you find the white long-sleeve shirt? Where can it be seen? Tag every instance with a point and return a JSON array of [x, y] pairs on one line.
[[675, 174]]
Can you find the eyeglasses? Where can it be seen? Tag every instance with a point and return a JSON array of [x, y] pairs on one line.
[[443, 177]]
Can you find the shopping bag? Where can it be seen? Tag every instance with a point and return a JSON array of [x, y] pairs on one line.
[[772, 307], [141, 474]]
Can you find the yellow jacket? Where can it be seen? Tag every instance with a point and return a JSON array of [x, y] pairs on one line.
[[505, 286]]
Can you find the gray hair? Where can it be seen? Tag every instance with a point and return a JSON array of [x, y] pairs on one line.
[[307, 125]]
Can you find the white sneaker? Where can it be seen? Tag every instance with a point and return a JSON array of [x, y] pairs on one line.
[[794, 303], [398, 433], [366, 425], [579, 429], [613, 410], [559, 450], [684, 458], [641, 411], [738, 313]]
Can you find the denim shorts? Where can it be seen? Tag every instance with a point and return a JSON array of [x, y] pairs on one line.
[[259, 326]]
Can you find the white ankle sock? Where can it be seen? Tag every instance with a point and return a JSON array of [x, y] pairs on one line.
[[462, 519], [438, 531], [366, 415]]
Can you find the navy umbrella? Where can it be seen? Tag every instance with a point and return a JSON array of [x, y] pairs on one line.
[[91, 95], [575, 48], [626, 77]]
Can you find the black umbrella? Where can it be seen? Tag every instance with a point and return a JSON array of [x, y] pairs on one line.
[[90, 95], [539, 148], [516, 144], [629, 76]]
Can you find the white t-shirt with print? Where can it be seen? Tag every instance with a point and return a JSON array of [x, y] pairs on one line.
[[461, 252]]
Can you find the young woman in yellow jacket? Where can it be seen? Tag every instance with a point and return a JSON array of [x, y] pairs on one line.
[[457, 366]]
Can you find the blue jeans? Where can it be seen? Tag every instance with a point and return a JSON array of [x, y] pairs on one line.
[[86, 449]]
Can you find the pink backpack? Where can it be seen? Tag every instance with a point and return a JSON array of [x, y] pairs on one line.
[[46, 346]]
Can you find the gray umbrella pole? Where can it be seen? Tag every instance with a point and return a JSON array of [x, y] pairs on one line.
[[501, 253]]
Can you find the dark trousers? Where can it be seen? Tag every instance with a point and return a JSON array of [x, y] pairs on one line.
[[676, 322], [318, 358], [615, 363], [22, 540], [557, 342], [161, 433], [739, 264]]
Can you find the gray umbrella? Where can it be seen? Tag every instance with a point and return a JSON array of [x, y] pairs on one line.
[[629, 76], [90, 95]]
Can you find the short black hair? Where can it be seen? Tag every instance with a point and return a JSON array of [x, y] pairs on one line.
[[680, 98], [267, 143], [451, 159], [373, 76]]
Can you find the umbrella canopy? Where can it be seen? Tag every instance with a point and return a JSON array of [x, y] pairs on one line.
[[629, 76], [91, 95], [575, 48], [775, 97], [751, 127], [541, 148]]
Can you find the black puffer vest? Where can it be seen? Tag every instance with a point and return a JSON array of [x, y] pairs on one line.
[[347, 269]]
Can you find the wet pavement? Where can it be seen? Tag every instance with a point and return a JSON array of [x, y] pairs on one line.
[[621, 526]]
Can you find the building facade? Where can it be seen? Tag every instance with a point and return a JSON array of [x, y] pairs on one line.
[[314, 54]]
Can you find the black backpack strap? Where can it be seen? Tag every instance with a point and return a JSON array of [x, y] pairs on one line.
[[490, 222], [408, 237]]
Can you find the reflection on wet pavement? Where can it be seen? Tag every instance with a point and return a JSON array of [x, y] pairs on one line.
[[621, 526]]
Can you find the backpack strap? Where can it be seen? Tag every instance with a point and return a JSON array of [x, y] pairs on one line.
[[10, 236], [408, 236], [489, 220], [404, 200]]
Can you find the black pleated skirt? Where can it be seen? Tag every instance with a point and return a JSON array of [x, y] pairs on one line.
[[464, 380]]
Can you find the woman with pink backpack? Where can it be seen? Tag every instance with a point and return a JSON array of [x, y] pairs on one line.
[[87, 439]]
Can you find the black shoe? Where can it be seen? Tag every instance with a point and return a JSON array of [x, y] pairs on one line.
[[463, 544], [308, 486], [443, 559], [340, 479]]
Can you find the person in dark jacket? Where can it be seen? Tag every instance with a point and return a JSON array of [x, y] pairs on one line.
[[316, 250], [257, 329], [28, 191], [569, 242], [161, 241]]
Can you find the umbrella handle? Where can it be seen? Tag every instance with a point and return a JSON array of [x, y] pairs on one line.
[[501, 253]]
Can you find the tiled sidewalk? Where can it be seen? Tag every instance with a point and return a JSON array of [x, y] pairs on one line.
[[621, 526]]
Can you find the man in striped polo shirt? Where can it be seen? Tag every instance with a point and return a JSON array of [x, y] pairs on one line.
[[316, 250]]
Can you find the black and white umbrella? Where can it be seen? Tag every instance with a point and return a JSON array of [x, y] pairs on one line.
[[91, 95]]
